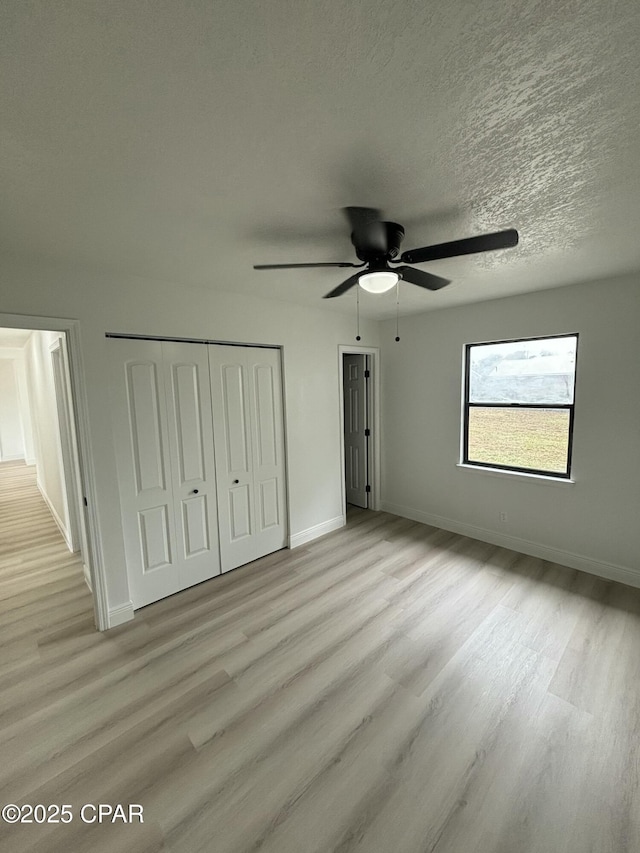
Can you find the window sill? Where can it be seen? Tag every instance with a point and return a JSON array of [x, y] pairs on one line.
[[500, 472]]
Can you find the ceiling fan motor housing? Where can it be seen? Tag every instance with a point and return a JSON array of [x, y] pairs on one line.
[[394, 235]]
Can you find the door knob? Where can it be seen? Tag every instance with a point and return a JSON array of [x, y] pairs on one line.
[[235, 482], [195, 492]]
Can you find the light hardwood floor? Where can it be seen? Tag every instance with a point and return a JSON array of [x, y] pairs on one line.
[[390, 688]]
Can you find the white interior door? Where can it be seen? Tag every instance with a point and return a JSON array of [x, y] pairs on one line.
[[164, 452], [246, 389], [188, 394], [355, 428]]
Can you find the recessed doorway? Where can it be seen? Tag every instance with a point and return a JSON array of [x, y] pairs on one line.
[[360, 433], [49, 535]]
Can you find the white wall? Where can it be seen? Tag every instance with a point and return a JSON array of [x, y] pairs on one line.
[[44, 418], [114, 303], [596, 518], [20, 364], [11, 438], [592, 524], [17, 356]]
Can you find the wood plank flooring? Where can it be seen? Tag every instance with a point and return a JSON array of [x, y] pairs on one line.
[[389, 688]]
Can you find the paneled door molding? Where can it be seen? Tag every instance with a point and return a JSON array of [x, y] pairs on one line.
[[166, 472], [248, 421], [199, 439]]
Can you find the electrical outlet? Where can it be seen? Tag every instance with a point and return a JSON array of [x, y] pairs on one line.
[[503, 516]]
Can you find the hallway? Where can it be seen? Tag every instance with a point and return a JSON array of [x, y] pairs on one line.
[[43, 595]]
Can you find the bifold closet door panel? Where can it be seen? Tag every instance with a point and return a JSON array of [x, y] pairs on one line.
[[188, 395], [246, 390], [161, 412], [267, 425]]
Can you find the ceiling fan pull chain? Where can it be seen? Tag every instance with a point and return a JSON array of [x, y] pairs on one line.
[[397, 308], [358, 314]]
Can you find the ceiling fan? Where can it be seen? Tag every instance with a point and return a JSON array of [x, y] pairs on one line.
[[377, 244]]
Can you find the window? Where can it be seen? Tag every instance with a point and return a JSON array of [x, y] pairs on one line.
[[518, 407]]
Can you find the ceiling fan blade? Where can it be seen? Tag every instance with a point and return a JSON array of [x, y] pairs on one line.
[[369, 233], [302, 266], [342, 288], [482, 243], [421, 278]]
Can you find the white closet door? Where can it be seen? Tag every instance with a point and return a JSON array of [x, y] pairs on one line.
[[188, 395], [246, 388], [163, 442]]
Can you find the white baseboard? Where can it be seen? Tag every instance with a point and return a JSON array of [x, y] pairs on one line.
[[297, 539], [87, 576], [121, 614], [12, 457], [56, 517], [609, 571], [30, 460]]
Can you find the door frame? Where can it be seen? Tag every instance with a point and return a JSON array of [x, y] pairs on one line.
[[79, 418], [69, 464], [374, 420]]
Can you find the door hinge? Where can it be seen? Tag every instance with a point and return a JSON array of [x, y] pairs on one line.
[[367, 432], [367, 488], [84, 500], [367, 374]]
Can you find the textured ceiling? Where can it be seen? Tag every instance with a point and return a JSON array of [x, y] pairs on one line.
[[188, 140]]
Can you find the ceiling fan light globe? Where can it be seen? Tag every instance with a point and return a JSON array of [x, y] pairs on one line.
[[378, 282]]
